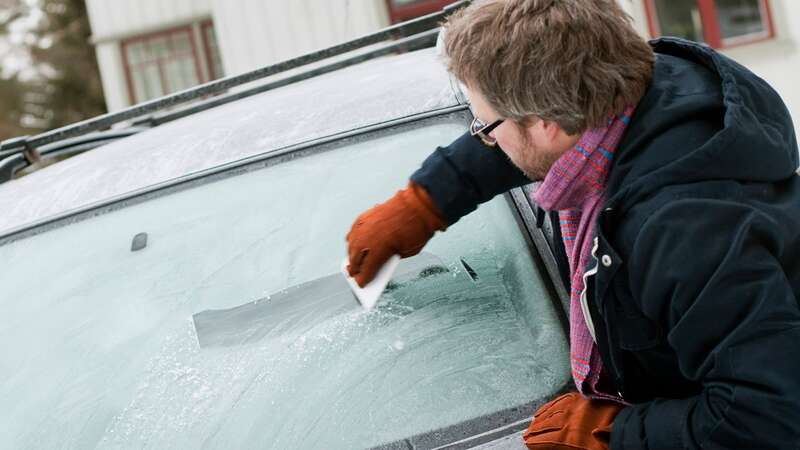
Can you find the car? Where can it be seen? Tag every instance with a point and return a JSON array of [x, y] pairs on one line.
[[179, 286]]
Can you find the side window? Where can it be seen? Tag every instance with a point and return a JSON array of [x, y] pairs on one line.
[[718, 23], [194, 318]]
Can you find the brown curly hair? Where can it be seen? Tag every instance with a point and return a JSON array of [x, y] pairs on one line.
[[572, 62]]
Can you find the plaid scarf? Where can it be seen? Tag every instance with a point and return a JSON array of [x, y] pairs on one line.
[[575, 187]]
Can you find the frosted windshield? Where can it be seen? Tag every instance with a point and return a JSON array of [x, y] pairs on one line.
[[229, 328]]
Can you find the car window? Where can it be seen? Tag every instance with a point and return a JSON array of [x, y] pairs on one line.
[[215, 317]]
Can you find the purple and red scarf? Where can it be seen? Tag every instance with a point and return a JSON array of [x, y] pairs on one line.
[[575, 187]]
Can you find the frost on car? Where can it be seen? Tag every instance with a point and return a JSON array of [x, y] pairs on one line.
[[207, 312]]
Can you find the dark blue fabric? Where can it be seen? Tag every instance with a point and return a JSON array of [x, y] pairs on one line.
[[697, 315], [465, 174], [703, 216]]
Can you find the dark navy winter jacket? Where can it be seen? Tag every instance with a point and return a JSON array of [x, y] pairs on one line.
[[697, 313]]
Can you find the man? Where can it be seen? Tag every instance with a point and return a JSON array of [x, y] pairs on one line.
[[672, 169]]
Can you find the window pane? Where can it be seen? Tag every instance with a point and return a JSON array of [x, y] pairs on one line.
[[740, 18], [173, 71], [135, 53], [105, 354], [158, 48], [139, 84], [680, 18], [182, 43], [147, 82], [189, 70], [181, 74]]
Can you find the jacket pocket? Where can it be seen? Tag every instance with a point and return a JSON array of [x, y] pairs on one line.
[[635, 331]]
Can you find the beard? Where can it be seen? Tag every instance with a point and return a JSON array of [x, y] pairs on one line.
[[530, 157], [534, 162]]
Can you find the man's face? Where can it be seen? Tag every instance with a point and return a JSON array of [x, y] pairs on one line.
[[533, 148]]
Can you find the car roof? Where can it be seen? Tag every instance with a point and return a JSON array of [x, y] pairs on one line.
[[376, 91]]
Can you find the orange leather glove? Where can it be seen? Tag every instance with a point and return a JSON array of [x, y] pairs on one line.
[[402, 225], [572, 422]]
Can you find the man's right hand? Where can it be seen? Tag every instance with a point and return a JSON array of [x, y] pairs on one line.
[[402, 225]]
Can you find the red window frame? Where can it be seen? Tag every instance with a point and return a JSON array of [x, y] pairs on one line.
[[149, 36], [420, 8], [710, 21]]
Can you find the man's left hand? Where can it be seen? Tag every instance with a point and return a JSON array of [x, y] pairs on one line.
[[572, 422]]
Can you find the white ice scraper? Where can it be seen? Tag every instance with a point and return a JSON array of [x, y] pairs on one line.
[[369, 294]]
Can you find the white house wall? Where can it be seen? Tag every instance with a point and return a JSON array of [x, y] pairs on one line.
[[112, 75], [635, 8], [115, 19], [255, 33], [250, 33]]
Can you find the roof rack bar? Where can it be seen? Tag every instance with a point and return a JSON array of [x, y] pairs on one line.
[[10, 165], [18, 145], [411, 43]]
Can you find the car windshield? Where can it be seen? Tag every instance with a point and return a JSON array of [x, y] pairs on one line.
[[215, 316]]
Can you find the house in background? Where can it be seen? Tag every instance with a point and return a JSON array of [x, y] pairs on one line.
[[763, 35], [148, 48]]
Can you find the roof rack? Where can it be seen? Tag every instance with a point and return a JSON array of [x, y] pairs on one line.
[[406, 36], [65, 147]]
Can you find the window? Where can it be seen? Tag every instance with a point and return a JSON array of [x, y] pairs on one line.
[[401, 10], [170, 61], [109, 351], [161, 63], [718, 23]]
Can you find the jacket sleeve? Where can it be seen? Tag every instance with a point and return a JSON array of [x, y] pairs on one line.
[[465, 174], [717, 284]]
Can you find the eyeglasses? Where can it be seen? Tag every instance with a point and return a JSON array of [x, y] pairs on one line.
[[481, 131]]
